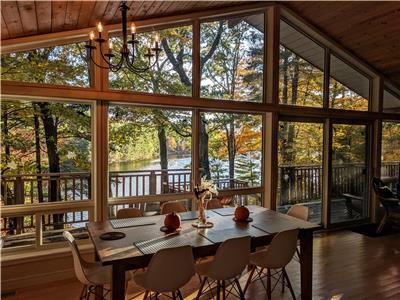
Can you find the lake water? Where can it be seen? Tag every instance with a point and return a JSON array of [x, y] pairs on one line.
[[174, 162]]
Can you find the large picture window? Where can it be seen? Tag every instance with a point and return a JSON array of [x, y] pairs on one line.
[[45, 158], [231, 58], [231, 149], [348, 88], [59, 65], [171, 75], [149, 152], [301, 68]]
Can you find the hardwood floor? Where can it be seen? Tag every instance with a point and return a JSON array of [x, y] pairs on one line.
[[347, 265]]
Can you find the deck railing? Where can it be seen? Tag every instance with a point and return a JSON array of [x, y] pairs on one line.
[[298, 184]]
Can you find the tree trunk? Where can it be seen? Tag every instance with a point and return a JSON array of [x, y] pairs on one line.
[[50, 130], [162, 138], [204, 161], [38, 163], [230, 135], [284, 195]]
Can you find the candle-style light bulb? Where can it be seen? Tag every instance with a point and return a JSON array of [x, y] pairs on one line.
[[110, 45], [99, 27], [91, 35], [133, 28], [157, 38]]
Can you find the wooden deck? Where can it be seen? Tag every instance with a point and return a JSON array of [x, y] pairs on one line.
[[347, 265]]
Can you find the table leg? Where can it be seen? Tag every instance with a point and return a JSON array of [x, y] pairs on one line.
[[99, 289], [306, 251], [118, 282]]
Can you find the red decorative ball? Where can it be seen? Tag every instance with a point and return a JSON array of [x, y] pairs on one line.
[[172, 221], [242, 213]]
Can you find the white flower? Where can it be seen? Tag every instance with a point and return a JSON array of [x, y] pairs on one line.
[[208, 185], [12, 165], [71, 155]]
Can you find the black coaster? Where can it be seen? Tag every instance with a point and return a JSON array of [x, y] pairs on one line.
[[248, 220], [167, 230], [111, 236]]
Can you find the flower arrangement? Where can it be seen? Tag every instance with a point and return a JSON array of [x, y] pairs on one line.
[[204, 192], [206, 188]]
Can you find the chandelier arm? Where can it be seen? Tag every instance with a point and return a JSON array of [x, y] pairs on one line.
[[94, 62], [138, 69], [109, 61]]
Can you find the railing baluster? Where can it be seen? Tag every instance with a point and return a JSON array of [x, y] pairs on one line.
[[81, 183], [38, 230]]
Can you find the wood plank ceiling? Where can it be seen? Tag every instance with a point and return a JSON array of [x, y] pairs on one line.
[[371, 30]]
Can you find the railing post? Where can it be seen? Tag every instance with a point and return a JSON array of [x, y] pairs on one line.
[[153, 183], [38, 230], [19, 199]]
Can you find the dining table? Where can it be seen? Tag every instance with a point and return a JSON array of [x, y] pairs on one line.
[[143, 237]]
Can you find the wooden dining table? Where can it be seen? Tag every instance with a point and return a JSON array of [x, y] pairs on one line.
[[135, 250]]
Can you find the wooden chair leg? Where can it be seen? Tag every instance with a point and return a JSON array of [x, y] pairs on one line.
[[146, 293], [249, 279], [201, 288], [173, 296], [241, 294], [269, 292], [383, 222], [283, 282], [223, 290], [289, 284]]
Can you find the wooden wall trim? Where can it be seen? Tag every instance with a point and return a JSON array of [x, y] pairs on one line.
[[75, 94]]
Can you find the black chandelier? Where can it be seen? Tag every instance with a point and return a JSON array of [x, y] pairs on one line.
[[127, 52]]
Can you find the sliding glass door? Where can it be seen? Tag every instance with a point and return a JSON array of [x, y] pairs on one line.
[[300, 156], [349, 177]]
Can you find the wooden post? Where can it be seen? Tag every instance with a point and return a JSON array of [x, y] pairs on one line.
[[38, 230], [153, 183]]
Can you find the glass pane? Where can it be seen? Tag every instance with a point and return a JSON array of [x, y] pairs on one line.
[[45, 157], [349, 199], [232, 58], [231, 149], [18, 231], [172, 74], [301, 66], [74, 222], [62, 65], [391, 152], [300, 167], [348, 89], [391, 102], [149, 151]]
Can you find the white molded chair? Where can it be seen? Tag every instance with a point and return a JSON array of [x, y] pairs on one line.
[[125, 213], [168, 270], [169, 207], [276, 256], [299, 211], [227, 265], [90, 274]]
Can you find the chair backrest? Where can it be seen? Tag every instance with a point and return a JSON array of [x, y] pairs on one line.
[[170, 269], [214, 204], [125, 213], [231, 258], [377, 184], [281, 249], [299, 211], [169, 207], [78, 260]]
